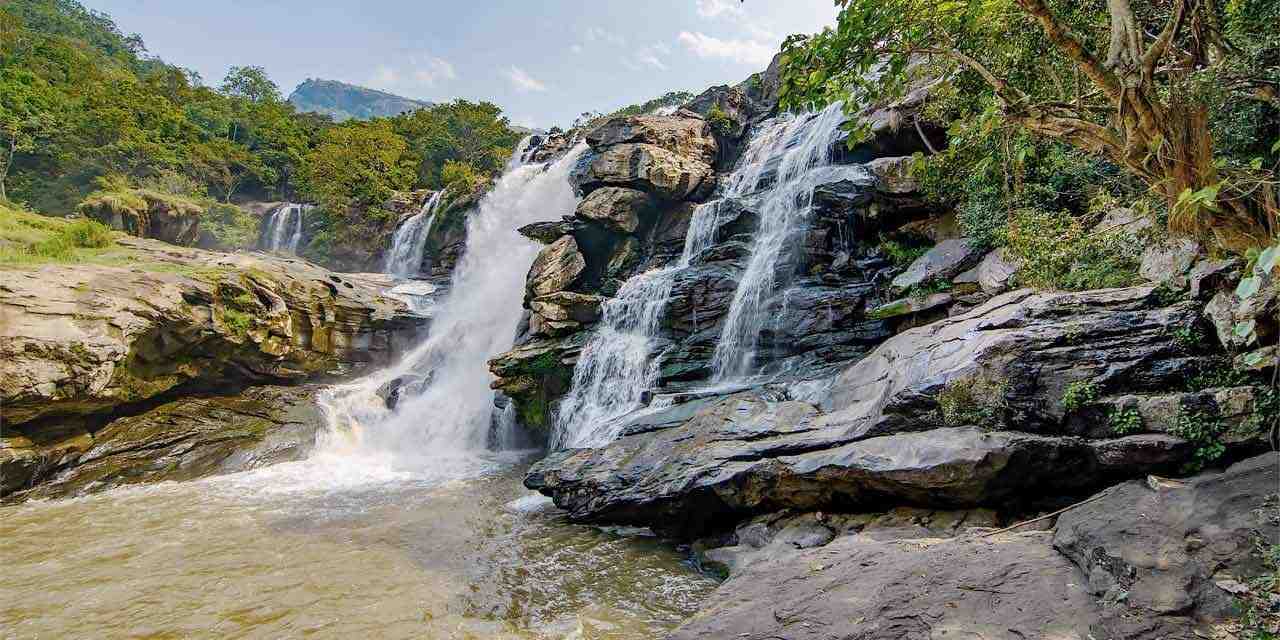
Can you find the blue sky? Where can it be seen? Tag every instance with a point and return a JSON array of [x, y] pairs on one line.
[[543, 61]]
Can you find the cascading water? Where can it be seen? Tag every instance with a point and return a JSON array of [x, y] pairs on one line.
[[404, 257], [616, 367], [445, 404], [799, 145], [284, 228]]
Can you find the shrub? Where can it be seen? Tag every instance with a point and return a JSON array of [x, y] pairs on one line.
[[903, 251], [1058, 252], [719, 121], [88, 234], [231, 226], [1125, 422], [979, 400], [1079, 394], [1202, 430]]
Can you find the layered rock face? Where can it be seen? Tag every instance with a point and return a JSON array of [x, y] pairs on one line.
[[170, 220], [82, 344]]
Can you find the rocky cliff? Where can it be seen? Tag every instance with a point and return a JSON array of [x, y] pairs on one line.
[[82, 345], [896, 407]]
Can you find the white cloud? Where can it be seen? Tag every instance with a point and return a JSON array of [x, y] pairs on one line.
[[430, 70], [416, 73], [522, 81], [576, 49], [751, 52], [599, 34], [716, 8]]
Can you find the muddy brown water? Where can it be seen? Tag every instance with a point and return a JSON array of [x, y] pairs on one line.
[[303, 551]]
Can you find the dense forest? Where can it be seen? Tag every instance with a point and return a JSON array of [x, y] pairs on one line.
[[89, 117]]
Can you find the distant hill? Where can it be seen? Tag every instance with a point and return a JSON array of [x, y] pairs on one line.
[[345, 101]]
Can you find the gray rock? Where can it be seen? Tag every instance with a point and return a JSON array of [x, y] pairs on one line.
[[841, 191], [547, 232], [615, 208], [1125, 220], [873, 439], [189, 438], [680, 134], [1212, 275], [894, 175], [910, 306], [648, 168], [943, 262], [1164, 545], [995, 272], [556, 268], [568, 306], [1012, 586], [1169, 261]]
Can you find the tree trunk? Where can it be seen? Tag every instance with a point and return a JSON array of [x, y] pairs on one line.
[[4, 175]]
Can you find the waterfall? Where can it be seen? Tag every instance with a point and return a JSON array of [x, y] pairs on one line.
[[404, 257], [796, 145], [445, 404], [283, 230], [617, 367]]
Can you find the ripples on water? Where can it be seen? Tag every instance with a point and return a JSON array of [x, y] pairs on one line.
[[332, 548]]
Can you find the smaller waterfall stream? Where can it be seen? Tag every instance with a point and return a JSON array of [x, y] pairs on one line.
[[284, 227], [404, 257], [617, 367]]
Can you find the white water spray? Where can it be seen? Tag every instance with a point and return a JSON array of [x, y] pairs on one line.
[[404, 257], [284, 227], [797, 145], [445, 408]]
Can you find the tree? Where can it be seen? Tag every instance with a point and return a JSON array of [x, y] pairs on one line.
[[26, 117], [475, 133], [250, 83], [1134, 82], [357, 163], [224, 164]]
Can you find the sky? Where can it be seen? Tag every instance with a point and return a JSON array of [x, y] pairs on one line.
[[543, 61]]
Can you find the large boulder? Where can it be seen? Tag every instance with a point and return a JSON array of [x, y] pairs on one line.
[[147, 214], [615, 208], [183, 439], [80, 339], [944, 261], [556, 268], [879, 435], [1169, 261], [684, 134], [647, 167]]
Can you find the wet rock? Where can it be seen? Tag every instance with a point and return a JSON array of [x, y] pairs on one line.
[[79, 339], [188, 438], [687, 137], [943, 262], [647, 167], [733, 105], [1169, 261], [1012, 586], [1162, 548], [556, 268], [616, 208], [841, 191]]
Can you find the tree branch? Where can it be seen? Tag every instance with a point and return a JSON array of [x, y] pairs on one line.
[[1072, 47], [1161, 44]]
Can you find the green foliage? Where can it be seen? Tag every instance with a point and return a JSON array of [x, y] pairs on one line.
[[1125, 422], [1217, 373], [27, 238], [1203, 431], [358, 164], [719, 121], [1039, 117], [1079, 394], [474, 133], [1257, 621], [232, 227], [237, 321], [669, 99], [460, 177], [903, 251], [1057, 251], [979, 400]]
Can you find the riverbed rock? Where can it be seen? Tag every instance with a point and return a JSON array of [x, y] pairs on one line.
[[557, 267], [187, 438], [615, 208], [1011, 586], [893, 175], [943, 262], [84, 338], [647, 167], [1166, 550]]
